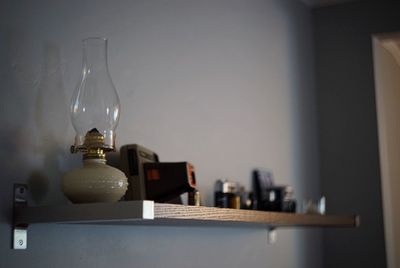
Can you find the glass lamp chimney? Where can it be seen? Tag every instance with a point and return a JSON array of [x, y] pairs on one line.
[[95, 106]]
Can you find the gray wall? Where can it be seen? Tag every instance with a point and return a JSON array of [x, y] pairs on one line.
[[348, 129], [227, 85]]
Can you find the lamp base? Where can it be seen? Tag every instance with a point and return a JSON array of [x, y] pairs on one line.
[[94, 182]]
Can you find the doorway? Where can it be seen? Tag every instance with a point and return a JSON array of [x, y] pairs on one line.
[[386, 49]]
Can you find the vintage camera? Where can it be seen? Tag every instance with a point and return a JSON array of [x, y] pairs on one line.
[[133, 156], [153, 180], [165, 182]]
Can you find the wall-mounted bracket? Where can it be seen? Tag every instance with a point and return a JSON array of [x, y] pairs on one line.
[[20, 230], [271, 235]]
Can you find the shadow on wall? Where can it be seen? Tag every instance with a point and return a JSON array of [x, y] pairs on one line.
[[31, 151], [14, 108], [304, 123], [51, 124]]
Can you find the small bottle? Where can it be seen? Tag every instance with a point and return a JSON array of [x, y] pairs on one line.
[[289, 203], [226, 194], [194, 198]]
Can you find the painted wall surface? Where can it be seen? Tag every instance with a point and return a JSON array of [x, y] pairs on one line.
[[387, 83], [349, 155], [227, 85]]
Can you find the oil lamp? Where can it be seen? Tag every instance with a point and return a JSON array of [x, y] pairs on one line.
[[95, 111]]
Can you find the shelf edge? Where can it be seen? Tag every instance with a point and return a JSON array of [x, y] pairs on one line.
[[170, 212], [86, 213]]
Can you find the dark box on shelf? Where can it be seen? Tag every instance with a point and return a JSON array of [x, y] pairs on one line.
[[167, 181], [133, 156]]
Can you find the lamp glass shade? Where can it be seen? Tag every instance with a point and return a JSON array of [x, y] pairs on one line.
[[95, 103]]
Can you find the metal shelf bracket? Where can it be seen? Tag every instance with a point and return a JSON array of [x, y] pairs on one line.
[[271, 235], [20, 231]]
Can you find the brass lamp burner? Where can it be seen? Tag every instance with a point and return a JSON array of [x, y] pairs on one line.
[[93, 147]]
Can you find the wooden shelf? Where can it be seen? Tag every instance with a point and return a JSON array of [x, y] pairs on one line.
[[148, 212], [176, 213]]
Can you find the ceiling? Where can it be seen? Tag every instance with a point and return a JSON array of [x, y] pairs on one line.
[[319, 3]]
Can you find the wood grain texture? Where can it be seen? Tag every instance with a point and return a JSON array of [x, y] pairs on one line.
[[274, 219]]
